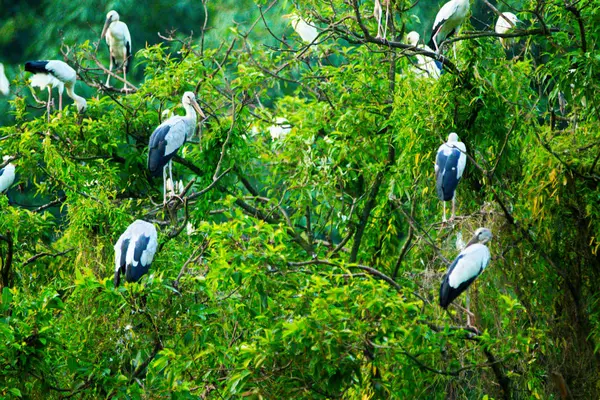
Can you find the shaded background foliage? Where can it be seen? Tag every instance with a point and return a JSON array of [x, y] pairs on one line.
[[304, 267]]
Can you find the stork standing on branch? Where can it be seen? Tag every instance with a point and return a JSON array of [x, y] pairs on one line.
[[119, 44], [134, 251], [7, 175], [449, 166], [425, 65], [466, 267], [169, 136], [55, 73], [4, 85], [447, 21], [306, 31], [506, 22]]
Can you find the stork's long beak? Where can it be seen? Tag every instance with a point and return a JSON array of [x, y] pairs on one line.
[[106, 25], [198, 109]]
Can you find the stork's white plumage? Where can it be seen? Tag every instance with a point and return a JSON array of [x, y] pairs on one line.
[[503, 25], [449, 166], [280, 129], [426, 67], [118, 39], [55, 73], [4, 85], [307, 32], [134, 251], [448, 20], [467, 266], [7, 175], [169, 136]]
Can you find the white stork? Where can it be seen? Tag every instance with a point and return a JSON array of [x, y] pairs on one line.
[[467, 266], [7, 175], [505, 23], [169, 136], [447, 21], [134, 251], [307, 32], [449, 166], [55, 73], [280, 129], [4, 85], [119, 44], [425, 66]]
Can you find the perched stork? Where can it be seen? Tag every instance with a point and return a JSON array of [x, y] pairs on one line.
[[280, 129], [119, 44], [134, 251], [449, 166], [4, 85], [447, 21], [7, 175], [467, 266], [378, 13], [505, 23], [55, 73], [425, 66], [307, 32], [169, 136]]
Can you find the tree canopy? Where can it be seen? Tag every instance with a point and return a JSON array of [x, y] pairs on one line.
[[305, 264]]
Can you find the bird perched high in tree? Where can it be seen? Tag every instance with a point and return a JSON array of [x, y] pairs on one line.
[[449, 166], [7, 175], [306, 31], [506, 22], [119, 44], [466, 267], [425, 67], [447, 21], [4, 85], [134, 251], [169, 136], [55, 73]]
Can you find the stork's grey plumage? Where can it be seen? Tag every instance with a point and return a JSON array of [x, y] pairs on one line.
[[466, 267], [55, 73], [169, 136], [449, 167], [118, 39], [134, 251]]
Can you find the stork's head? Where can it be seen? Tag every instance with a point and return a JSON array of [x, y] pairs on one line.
[[189, 99], [81, 104], [111, 17], [481, 235], [6, 158], [453, 137], [413, 38]]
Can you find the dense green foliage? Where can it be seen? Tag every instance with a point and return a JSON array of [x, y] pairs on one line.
[[307, 266]]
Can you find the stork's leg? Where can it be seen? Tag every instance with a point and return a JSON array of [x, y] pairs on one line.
[[437, 49], [59, 100], [387, 15], [110, 69], [165, 185], [49, 102], [379, 28], [444, 218], [454, 47], [125, 78], [171, 175], [467, 302], [453, 208]]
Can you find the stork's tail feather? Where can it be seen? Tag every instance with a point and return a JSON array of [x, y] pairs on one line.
[[36, 66]]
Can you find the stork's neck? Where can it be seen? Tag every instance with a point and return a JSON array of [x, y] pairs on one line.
[[76, 98], [191, 116]]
